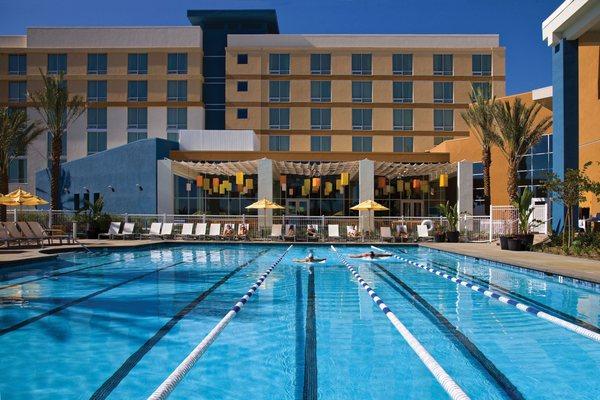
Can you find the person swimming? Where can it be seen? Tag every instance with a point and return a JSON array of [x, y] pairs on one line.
[[310, 258], [371, 254]]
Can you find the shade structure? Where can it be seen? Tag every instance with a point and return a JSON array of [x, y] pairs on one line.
[[20, 197], [369, 205], [264, 204]]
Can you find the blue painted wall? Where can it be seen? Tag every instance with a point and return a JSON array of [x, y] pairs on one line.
[[565, 105], [122, 168]]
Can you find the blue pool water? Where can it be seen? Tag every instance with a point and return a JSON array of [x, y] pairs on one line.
[[114, 324]]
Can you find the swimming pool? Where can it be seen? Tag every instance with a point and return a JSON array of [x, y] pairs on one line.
[[114, 324]]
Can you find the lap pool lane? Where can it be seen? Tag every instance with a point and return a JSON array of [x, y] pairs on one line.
[[72, 344], [540, 359]]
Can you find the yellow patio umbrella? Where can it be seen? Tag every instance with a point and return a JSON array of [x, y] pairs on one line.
[[368, 205], [265, 204], [20, 197]]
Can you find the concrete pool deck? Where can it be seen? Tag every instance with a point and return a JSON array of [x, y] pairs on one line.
[[574, 267]]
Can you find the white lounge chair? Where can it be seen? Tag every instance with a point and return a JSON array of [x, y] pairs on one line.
[[276, 231], [423, 232], [241, 229], [333, 232], [386, 233], [214, 231], [154, 230], [127, 231], [187, 231], [352, 232], [167, 230], [200, 231], [113, 230]]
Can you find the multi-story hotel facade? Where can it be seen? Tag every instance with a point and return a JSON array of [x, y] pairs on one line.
[[231, 91]]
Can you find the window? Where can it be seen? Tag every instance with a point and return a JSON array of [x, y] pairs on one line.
[[440, 139], [242, 113], [362, 119], [320, 118], [403, 144], [484, 87], [97, 64], [242, 86], [137, 63], [320, 143], [442, 64], [63, 153], [402, 64], [443, 92], [57, 63], [279, 118], [362, 92], [403, 119], [320, 64], [362, 144], [17, 170], [320, 91], [279, 64], [17, 91], [361, 64], [137, 118], [17, 64], [96, 142], [133, 136], [137, 90], [443, 120], [177, 63], [96, 91], [279, 143], [176, 120], [402, 92], [96, 118], [242, 58], [177, 90], [535, 165], [279, 91], [482, 64]]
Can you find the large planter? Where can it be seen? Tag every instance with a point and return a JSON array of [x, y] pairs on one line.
[[515, 244], [504, 242], [453, 236], [526, 241], [439, 237]]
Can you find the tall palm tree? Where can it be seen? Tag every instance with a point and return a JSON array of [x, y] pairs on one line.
[[16, 133], [480, 117], [519, 129], [57, 110]]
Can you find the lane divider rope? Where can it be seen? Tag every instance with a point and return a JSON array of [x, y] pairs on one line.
[[503, 299], [169, 384], [450, 386]]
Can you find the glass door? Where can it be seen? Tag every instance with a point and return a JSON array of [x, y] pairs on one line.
[[412, 208], [296, 206]]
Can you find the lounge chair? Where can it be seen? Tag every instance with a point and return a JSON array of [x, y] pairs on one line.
[[4, 237], [423, 232], [167, 230], [113, 230], [333, 232], [200, 232], [276, 231], [14, 233], [39, 231], [402, 232], [312, 232], [242, 232], [386, 233], [228, 232], [186, 231], [127, 231], [28, 233], [352, 233], [154, 230], [290, 232], [214, 231]]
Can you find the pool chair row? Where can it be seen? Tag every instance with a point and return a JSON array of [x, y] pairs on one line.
[[311, 233], [165, 230], [30, 233]]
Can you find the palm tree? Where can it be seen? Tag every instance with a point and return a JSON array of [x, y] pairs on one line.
[[57, 111], [519, 129], [16, 133], [480, 117]]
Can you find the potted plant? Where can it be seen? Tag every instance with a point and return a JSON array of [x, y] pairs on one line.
[[439, 234], [95, 220], [451, 214], [525, 210]]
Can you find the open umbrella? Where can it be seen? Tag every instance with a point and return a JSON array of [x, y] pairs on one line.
[[265, 204], [369, 205], [20, 197]]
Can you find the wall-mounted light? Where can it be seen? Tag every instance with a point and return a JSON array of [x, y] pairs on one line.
[[85, 189], [112, 189], [140, 188], [66, 190]]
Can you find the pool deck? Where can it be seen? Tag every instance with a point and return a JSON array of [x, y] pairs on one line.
[[574, 267]]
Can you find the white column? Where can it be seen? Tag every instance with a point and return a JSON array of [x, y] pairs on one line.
[[265, 190], [366, 188], [464, 189], [165, 189]]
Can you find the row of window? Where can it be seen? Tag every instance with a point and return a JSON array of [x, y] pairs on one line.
[[97, 63], [362, 119], [362, 91], [402, 144], [362, 64]]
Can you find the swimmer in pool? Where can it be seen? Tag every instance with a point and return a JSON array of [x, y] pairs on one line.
[[310, 258], [372, 255]]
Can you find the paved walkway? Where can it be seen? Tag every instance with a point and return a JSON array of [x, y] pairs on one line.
[[575, 267]]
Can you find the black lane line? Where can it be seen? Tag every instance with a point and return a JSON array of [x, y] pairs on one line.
[[81, 299], [467, 347], [299, 336], [115, 379], [310, 350], [524, 299], [52, 275]]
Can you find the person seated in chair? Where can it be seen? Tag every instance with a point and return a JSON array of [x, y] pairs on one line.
[[228, 231], [291, 232], [353, 232], [311, 232], [243, 231]]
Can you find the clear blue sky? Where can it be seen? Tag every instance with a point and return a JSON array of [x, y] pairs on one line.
[[528, 59]]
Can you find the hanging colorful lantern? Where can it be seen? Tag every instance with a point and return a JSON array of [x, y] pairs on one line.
[[345, 178], [215, 184], [206, 184], [291, 191], [338, 184], [316, 182], [304, 191], [188, 187], [222, 188], [239, 178], [250, 184], [283, 182], [416, 184], [328, 188], [199, 181], [407, 186], [425, 186], [443, 180], [399, 185], [380, 182]]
